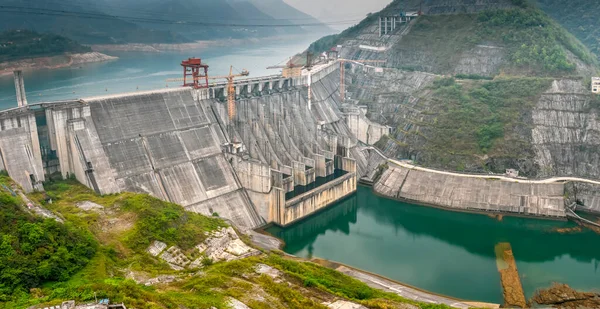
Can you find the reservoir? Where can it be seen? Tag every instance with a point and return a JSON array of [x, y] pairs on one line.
[[444, 252], [137, 71]]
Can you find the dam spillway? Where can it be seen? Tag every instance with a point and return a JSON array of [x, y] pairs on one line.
[[174, 144]]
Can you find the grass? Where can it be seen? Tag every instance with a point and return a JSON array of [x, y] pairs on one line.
[[119, 255], [534, 44], [481, 119], [576, 16]]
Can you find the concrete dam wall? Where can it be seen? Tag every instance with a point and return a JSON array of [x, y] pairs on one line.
[[280, 159], [453, 191]]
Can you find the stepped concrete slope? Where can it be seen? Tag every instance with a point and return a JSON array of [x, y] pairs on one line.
[[162, 144]]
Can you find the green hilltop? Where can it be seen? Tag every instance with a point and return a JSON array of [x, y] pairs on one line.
[[101, 252]]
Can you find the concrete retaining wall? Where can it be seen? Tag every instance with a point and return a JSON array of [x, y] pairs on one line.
[[365, 130], [472, 194], [586, 195], [310, 202]]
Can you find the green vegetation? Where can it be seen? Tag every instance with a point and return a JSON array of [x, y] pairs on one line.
[[166, 222], [21, 44], [535, 39], [481, 118], [98, 254], [336, 283], [33, 250], [535, 45], [473, 76], [579, 17]]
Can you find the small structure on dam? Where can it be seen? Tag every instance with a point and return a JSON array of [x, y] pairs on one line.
[[172, 144]]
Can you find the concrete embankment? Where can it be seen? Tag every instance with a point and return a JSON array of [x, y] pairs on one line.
[[54, 62], [472, 193]]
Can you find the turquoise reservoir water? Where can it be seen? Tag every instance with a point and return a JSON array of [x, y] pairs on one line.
[[444, 252], [145, 71]]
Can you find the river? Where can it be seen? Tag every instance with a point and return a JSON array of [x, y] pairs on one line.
[[135, 71], [444, 252]]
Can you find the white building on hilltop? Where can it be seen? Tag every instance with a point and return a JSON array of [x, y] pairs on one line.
[[596, 85]]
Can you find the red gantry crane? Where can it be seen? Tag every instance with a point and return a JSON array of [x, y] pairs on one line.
[[199, 72]]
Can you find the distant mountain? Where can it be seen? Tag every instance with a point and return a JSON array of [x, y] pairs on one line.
[[96, 28], [217, 14], [281, 10], [155, 21]]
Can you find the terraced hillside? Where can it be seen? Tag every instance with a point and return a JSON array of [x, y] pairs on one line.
[[478, 88]]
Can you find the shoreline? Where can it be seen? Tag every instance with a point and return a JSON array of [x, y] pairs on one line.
[[378, 281], [53, 62], [170, 47]]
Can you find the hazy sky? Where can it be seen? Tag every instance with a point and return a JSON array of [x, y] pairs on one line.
[[336, 10]]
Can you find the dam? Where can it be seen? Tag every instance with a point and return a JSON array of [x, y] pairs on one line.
[[296, 161], [177, 145], [283, 157]]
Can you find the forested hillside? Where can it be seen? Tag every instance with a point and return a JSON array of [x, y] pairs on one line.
[[90, 26], [580, 17], [20, 44]]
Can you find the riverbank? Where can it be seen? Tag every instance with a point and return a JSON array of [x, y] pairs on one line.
[[158, 48], [53, 62], [264, 240]]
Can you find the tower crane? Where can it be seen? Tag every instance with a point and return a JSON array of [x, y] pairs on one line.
[[343, 73]]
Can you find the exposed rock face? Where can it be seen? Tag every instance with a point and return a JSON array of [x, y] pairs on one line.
[[566, 131], [563, 296], [221, 245], [483, 60]]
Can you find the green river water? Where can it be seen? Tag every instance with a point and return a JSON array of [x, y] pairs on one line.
[[445, 252]]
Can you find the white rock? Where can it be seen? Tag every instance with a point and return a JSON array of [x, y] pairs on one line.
[[342, 304], [89, 206], [236, 304], [156, 248]]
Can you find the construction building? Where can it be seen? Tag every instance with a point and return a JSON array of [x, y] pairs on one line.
[[389, 23]]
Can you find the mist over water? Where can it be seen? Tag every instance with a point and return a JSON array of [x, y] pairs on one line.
[[135, 71], [444, 252]]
